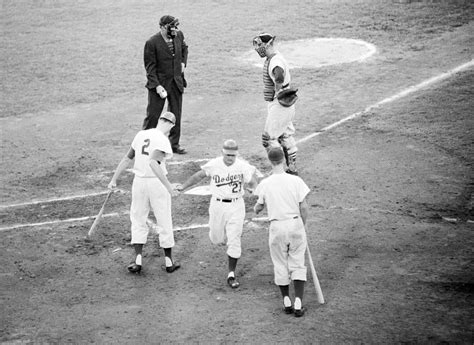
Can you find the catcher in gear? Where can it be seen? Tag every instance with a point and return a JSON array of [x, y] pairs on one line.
[[281, 99]]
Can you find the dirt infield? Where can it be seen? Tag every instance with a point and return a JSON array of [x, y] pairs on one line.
[[391, 220]]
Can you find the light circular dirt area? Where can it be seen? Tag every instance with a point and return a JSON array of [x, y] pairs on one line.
[[318, 52]]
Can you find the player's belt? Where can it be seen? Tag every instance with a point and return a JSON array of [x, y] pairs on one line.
[[295, 217], [227, 200]]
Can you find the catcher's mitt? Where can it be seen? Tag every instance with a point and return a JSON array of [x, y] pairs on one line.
[[287, 97]]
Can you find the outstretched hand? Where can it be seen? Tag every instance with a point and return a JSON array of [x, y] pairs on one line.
[[178, 187]]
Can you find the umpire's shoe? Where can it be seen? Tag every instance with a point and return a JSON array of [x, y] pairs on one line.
[[134, 268], [179, 150]]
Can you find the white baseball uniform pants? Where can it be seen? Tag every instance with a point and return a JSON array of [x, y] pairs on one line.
[[279, 123], [287, 241], [151, 193], [226, 220]]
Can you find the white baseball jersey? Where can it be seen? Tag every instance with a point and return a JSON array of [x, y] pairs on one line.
[[282, 193], [269, 78], [148, 191], [227, 182], [227, 207], [144, 143]]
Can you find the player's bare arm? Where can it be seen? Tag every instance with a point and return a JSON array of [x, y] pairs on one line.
[[156, 158], [195, 178], [252, 184], [258, 208], [279, 74], [304, 209], [121, 167]]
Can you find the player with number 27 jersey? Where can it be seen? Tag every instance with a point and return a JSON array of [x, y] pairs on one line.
[[227, 182]]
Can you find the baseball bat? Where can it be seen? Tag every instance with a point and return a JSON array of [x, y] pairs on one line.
[[99, 216], [319, 292]]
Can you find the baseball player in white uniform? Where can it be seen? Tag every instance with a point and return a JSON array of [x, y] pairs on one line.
[[228, 174], [150, 149], [285, 198], [279, 128]]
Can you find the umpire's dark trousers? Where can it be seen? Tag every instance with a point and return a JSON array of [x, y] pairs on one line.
[[155, 108]]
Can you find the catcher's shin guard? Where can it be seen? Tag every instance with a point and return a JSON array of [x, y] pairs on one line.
[[266, 140], [288, 144], [291, 163]]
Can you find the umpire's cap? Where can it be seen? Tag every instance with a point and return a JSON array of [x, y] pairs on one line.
[[167, 19], [275, 154], [230, 147], [169, 116]]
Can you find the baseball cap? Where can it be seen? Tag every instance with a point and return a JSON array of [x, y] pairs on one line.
[[230, 147], [264, 37], [167, 115], [275, 154]]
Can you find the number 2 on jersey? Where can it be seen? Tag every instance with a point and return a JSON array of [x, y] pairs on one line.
[[145, 146]]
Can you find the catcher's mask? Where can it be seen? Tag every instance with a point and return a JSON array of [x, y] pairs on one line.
[[261, 42], [171, 24]]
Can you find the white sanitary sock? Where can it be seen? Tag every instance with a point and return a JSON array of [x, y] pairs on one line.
[[231, 274], [138, 260], [287, 301], [168, 262], [297, 303]]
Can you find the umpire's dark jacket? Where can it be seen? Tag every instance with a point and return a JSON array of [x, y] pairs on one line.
[[162, 67]]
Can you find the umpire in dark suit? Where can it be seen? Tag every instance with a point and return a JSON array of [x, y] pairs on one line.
[[165, 56]]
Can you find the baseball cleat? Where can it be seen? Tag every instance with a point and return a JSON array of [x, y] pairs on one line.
[[234, 284], [134, 268], [300, 312], [288, 310], [173, 268], [292, 172]]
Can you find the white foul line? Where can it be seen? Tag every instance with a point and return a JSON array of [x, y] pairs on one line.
[[395, 97], [399, 95], [44, 201], [59, 221]]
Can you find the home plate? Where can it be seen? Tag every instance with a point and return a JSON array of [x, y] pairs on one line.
[[199, 190]]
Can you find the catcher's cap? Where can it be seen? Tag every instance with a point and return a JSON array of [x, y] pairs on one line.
[[263, 38], [275, 154], [230, 147], [167, 115], [167, 19]]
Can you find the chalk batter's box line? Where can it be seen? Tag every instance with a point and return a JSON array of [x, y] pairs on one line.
[[71, 197]]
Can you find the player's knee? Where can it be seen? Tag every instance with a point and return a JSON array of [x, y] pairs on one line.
[[234, 251]]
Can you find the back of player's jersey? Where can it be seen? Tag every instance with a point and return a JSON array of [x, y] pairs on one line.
[[144, 143]]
